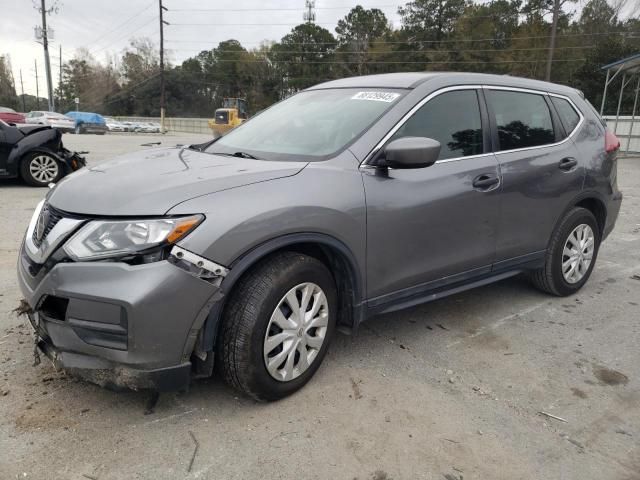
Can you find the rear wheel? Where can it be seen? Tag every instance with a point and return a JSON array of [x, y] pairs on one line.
[[277, 326], [571, 254], [40, 169]]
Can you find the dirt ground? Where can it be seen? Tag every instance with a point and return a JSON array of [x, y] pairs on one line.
[[449, 390]]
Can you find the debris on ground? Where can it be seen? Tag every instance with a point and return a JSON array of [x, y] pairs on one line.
[[195, 451], [23, 308], [553, 416], [151, 403]]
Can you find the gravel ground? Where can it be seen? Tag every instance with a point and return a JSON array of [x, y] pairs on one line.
[[448, 390]]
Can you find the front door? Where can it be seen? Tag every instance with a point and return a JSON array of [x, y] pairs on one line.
[[426, 225]]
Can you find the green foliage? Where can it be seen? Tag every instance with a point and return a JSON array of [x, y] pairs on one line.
[[8, 96], [304, 57], [498, 36]]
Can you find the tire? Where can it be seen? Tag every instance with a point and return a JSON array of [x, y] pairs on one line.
[[250, 318], [556, 279], [39, 169]]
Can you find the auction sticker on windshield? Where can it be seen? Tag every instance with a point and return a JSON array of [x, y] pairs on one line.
[[376, 96]]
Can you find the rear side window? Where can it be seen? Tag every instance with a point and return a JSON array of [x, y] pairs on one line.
[[453, 119], [568, 114], [523, 119]]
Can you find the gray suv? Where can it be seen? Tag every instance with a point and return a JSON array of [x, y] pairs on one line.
[[352, 198]]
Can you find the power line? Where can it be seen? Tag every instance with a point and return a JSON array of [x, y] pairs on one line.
[[272, 9], [393, 62], [461, 40], [347, 52]]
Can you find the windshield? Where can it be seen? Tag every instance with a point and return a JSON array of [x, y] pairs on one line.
[[308, 126]]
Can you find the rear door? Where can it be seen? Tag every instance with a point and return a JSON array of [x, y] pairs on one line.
[[430, 224], [540, 169]]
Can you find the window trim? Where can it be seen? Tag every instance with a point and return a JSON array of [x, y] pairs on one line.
[[418, 106], [491, 127], [573, 106], [543, 94]]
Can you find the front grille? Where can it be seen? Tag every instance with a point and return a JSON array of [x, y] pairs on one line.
[[54, 216]]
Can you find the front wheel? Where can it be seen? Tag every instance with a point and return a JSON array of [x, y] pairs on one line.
[[277, 326], [571, 254], [78, 130], [39, 169]]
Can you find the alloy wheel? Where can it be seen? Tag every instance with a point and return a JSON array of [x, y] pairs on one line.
[[296, 332], [577, 253], [44, 168]]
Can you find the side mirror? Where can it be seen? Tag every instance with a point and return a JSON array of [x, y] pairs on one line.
[[411, 152]]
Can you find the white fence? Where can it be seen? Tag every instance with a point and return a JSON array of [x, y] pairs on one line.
[[173, 124], [629, 140]]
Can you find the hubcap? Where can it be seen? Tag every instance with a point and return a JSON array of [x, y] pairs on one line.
[[43, 168], [296, 332], [578, 253]]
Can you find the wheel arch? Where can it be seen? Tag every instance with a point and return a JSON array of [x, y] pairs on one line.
[[596, 206], [332, 252]]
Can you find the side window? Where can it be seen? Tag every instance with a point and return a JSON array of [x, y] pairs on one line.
[[523, 119], [568, 114], [453, 119]]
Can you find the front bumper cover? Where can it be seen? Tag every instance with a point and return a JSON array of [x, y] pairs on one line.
[[119, 325]]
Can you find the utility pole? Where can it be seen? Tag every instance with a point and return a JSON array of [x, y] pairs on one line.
[[35, 62], [24, 106], [60, 79], [162, 24], [310, 15], [552, 40], [45, 44]]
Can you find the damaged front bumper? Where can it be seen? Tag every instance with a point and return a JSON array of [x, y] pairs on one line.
[[120, 325]]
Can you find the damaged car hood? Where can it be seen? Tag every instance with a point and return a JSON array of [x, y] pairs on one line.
[[152, 182]]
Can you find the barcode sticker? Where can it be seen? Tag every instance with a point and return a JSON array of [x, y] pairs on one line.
[[376, 96]]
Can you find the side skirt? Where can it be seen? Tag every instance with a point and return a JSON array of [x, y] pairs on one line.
[[444, 287]]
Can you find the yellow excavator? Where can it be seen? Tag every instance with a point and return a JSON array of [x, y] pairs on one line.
[[232, 114]]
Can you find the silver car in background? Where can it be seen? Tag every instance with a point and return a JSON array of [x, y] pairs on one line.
[[114, 125], [53, 119]]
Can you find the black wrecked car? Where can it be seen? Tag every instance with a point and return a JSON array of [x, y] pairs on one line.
[[35, 153]]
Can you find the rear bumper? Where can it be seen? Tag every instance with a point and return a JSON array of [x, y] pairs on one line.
[[118, 325], [613, 209]]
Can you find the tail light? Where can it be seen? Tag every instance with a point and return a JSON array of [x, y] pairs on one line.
[[611, 142]]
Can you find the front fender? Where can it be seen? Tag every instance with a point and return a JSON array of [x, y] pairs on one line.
[[48, 141]]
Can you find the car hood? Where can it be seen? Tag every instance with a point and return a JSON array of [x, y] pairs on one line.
[[152, 182]]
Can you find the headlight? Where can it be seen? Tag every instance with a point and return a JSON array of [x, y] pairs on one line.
[[104, 238]]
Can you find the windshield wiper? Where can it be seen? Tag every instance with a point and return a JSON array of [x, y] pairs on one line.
[[237, 154], [245, 155]]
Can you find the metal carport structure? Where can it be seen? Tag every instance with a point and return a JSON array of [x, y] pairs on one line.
[[629, 67]]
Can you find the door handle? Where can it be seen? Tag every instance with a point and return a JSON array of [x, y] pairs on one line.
[[567, 163], [485, 181]]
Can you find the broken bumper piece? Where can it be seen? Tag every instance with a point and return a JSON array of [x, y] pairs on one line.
[[117, 377]]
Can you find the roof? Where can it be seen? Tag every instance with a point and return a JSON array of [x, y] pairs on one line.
[[630, 64], [411, 80], [383, 80]]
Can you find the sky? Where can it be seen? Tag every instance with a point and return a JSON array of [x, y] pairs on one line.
[[105, 27]]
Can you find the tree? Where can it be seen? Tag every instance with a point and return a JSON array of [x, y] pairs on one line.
[[356, 32], [8, 97], [304, 57], [431, 20]]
